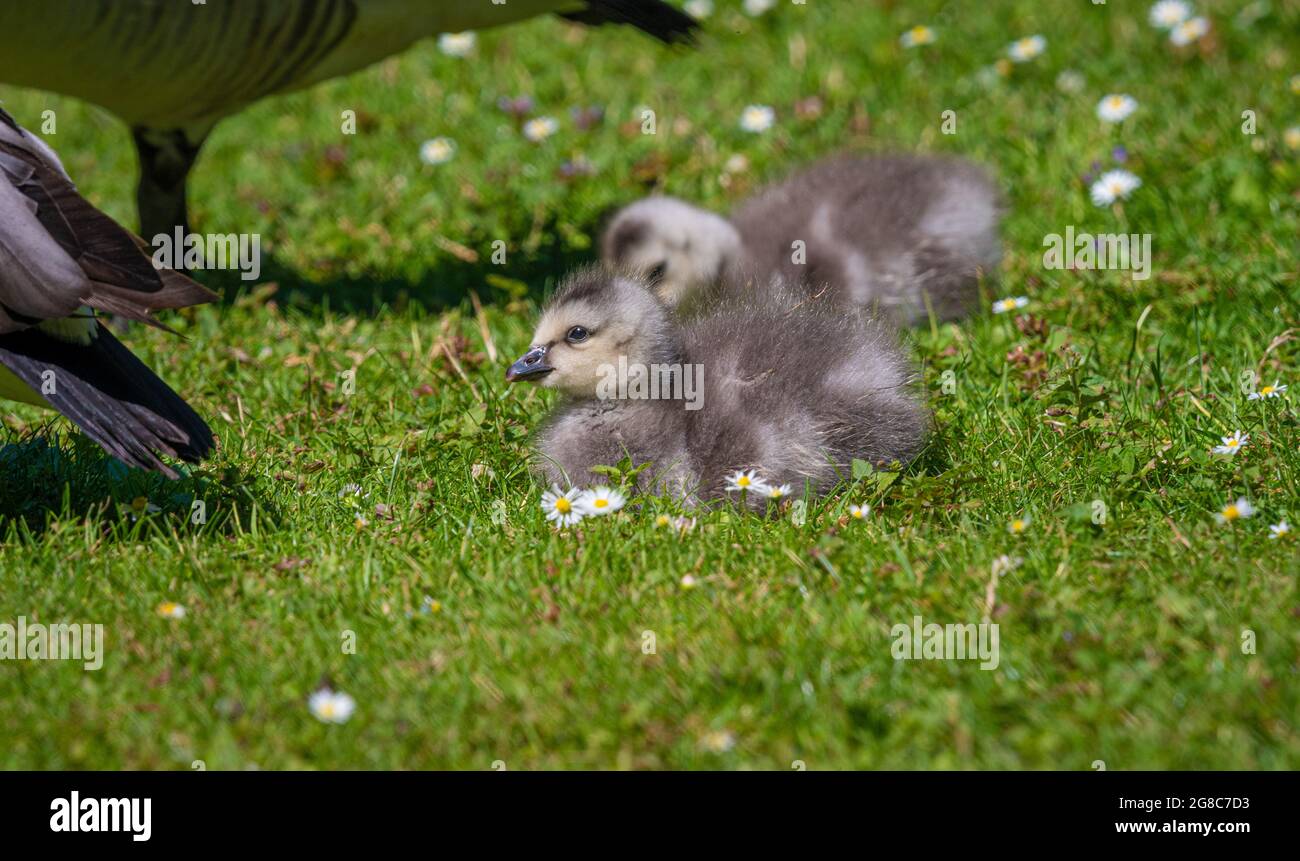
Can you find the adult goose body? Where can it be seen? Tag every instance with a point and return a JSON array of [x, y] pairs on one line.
[[172, 69]]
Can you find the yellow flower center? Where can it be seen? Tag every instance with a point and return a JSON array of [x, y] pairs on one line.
[[1231, 513], [920, 34], [601, 503], [1116, 102], [857, 512], [563, 506], [743, 481], [662, 520], [1017, 526], [327, 709], [1267, 390], [139, 503]]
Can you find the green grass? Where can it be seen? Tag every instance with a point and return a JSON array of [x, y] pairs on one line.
[[1120, 642]]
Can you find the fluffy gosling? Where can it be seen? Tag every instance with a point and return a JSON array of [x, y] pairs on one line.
[[781, 384]]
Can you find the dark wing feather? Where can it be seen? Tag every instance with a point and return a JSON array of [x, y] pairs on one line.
[[664, 22], [112, 396], [57, 254], [118, 274]]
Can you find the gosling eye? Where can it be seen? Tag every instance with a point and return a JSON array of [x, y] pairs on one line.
[[577, 335], [655, 275]]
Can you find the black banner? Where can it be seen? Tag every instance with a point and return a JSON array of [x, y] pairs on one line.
[[331, 810]]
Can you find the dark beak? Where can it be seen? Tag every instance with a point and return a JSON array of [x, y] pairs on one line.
[[531, 366]]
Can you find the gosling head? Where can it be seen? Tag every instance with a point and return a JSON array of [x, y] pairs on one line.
[[593, 320], [676, 247]]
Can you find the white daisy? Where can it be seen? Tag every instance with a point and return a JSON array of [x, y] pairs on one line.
[[754, 8], [1273, 391], [1019, 525], [1235, 510], [859, 512], [1116, 107], [757, 118], [718, 741], [560, 507], [600, 500], [1277, 530], [1070, 81], [141, 506], [917, 36], [699, 8], [331, 707], [1113, 185], [457, 44], [1010, 304], [1232, 444], [1168, 14], [171, 610], [437, 150], [1026, 49], [539, 129], [1189, 31], [746, 480], [776, 492]]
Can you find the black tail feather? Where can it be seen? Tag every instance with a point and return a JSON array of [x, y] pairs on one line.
[[664, 22], [112, 396]]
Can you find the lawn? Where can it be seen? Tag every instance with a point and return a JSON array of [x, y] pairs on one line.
[[385, 539]]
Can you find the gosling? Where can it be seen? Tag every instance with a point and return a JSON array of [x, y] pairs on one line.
[[781, 385], [908, 234]]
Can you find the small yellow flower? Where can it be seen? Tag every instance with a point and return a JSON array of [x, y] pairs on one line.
[[437, 150], [1026, 49], [1019, 525], [1235, 511], [917, 36], [171, 610], [562, 508], [331, 707], [778, 492], [599, 500], [757, 118], [718, 741], [746, 480], [540, 128]]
